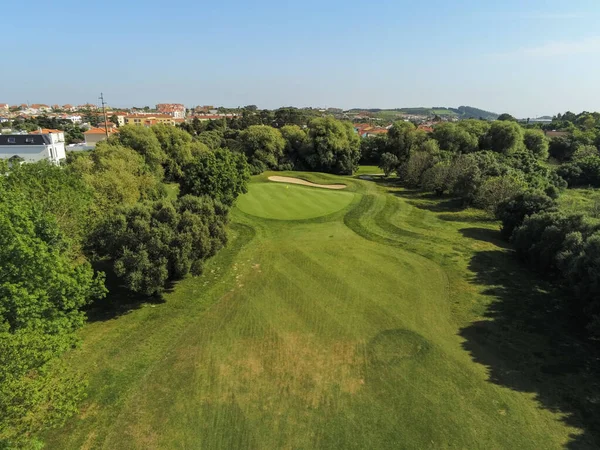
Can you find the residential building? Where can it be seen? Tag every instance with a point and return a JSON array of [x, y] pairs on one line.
[[203, 109], [4, 107], [69, 108], [33, 147], [176, 110], [95, 135], [57, 135], [75, 118], [148, 120], [120, 118], [40, 108]]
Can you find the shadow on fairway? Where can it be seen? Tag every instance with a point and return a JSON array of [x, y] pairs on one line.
[[119, 300], [485, 235], [527, 347]]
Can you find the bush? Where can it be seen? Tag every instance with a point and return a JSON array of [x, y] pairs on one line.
[[151, 244]]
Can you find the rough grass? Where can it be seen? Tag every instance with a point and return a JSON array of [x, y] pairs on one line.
[[353, 329]]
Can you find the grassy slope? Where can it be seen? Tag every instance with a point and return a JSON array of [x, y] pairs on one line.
[[336, 332]]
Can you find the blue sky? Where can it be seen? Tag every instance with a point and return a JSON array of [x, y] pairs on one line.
[[524, 57]]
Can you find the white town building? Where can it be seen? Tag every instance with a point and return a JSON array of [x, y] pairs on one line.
[[48, 145]]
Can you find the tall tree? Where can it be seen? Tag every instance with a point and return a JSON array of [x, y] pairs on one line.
[[333, 146], [222, 175], [145, 142], [263, 146]]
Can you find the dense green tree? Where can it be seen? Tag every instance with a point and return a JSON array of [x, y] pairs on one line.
[[296, 141], [562, 148], [437, 178], [42, 291], [585, 151], [55, 191], [289, 116], [221, 175], [117, 176], [372, 148], [413, 169], [333, 146], [496, 190], [263, 146], [153, 243], [506, 118], [389, 163], [505, 137], [401, 139], [212, 139], [144, 142], [176, 144], [455, 139], [584, 171], [536, 142], [513, 211]]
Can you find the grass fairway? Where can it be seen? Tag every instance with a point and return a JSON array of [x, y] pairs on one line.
[[340, 330]]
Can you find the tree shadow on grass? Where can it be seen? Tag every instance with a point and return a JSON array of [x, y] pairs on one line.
[[485, 235], [530, 343], [119, 300]]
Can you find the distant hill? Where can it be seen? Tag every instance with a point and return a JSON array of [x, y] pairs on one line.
[[463, 112], [468, 112]]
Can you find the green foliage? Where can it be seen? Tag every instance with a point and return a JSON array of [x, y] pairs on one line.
[[536, 142], [212, 139], [42, 291], [505, 137], [153, 243], [221, 174], [456, 139], [144, 142], [333, 146], [495, 190], [263, 146], [512, 212], [372, 148], [296, 141], [562, 148], [506, 118], [176, 144], [56, 192], [389, 163], [412, 170], [401, 138], [584, 171], [117, 176]]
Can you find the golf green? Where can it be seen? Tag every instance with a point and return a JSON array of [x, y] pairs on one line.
[[291, 202]]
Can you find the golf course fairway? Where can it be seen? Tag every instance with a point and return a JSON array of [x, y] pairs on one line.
[[331, 320]]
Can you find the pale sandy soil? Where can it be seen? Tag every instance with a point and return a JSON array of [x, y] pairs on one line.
[[306, 183]]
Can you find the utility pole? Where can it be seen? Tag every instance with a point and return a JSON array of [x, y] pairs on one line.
[[104, 112]]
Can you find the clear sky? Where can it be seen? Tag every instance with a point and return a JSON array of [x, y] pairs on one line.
[[526, 57]]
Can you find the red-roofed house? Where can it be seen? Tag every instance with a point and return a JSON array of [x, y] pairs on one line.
[[177, 110], [95, 135], [4, 107]]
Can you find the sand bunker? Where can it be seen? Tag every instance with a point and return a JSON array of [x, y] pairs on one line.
[[306, 183]]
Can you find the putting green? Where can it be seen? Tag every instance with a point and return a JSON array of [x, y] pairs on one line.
[[291, 202]]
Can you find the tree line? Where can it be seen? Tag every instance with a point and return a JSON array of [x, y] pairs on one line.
[[109, 208], [516, 173]]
